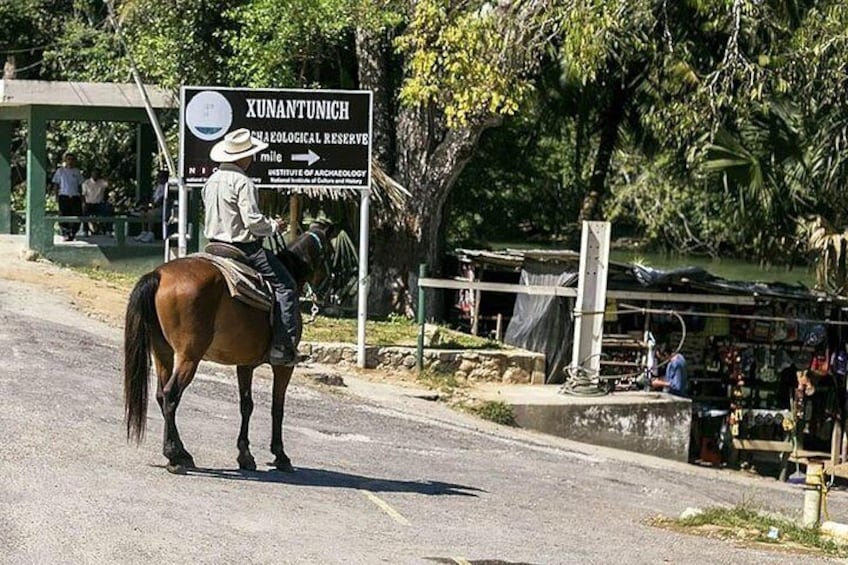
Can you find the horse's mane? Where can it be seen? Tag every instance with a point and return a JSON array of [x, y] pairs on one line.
[[294, 264], [297, 259]]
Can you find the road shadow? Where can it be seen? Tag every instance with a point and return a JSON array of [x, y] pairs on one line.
[[304, 476]]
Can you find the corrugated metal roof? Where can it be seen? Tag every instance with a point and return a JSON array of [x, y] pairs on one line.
[[625, 276], [14, 92]]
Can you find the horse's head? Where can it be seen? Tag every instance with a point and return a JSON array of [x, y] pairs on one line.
[[310, 258]]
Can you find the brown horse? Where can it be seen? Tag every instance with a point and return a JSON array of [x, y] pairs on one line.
[[182, 312]]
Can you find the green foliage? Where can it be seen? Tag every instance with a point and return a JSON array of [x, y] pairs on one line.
[[465, 59], [495, 411], [176, 43], [286, 43], [746, 523], [729, 117], [520, 185], [444, 382], [395, 330]]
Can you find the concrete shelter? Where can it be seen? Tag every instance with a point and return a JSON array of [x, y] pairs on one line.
[[38, 103]]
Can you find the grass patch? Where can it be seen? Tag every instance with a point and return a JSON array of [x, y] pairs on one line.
[[495, 411], [747, 524], [122, 280], [446, 383], [395, 330]]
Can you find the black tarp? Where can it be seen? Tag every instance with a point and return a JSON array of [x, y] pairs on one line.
[[544, 323]]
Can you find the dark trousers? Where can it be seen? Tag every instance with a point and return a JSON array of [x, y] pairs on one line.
[[69, 206], [97, 209], [286, 331]]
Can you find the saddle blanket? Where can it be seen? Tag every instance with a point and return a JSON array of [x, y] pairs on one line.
[[244, 283]]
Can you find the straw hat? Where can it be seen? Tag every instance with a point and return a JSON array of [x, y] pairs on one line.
[[319, 218], [236, 145]]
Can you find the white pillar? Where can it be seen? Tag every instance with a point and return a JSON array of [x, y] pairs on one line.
[[591, 297], [362, 314]]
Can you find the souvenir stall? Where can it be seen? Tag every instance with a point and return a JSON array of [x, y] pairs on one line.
[[766, 363]]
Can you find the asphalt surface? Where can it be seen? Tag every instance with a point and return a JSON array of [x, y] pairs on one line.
[[382, 477]]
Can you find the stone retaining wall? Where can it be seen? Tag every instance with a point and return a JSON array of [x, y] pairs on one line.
[[501, 365]]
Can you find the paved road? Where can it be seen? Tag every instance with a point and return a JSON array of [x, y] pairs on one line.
[[382, 477]]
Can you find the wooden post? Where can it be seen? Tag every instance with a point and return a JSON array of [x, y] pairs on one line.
[[475, 313], [5, 176], [196, 204], [145, 147], [295, 215], [38, 233], [499, 327]]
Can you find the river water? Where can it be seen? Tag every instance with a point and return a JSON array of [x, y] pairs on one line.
[[732, 269]]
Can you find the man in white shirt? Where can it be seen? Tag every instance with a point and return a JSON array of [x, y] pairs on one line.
[[94, 194], [233, 216], [68, 180]]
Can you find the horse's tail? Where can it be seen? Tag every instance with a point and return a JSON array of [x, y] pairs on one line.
[[139, 329]]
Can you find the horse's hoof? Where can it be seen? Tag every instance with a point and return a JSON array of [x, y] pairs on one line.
[[247, 463], [284, 466], [176, 468]]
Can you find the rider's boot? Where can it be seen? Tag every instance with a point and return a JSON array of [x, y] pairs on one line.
[[282, 350]]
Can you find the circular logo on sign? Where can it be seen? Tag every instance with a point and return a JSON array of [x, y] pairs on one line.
[[209, 115]]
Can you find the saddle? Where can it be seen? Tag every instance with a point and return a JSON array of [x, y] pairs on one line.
[[244, 283]]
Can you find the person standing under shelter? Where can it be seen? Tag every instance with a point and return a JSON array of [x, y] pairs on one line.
[[233, 217], [94, 194], [676, 380], [68, 180], [152, 211]]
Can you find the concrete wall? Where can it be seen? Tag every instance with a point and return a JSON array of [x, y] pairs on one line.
[[507, 366], [654, 424]]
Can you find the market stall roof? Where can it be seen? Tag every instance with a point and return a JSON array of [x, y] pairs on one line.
[[626, 276], [17, 93]]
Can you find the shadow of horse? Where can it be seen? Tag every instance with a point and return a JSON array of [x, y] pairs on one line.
[[336, 479]]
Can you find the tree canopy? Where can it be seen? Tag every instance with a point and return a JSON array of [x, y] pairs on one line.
[[710, 126]]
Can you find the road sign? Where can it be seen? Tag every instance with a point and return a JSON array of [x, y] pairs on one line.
[[317, 138]]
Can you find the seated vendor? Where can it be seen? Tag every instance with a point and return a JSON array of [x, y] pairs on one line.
[[675, 380]]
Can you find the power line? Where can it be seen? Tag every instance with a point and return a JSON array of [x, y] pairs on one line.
[[28, 67], [25, 49]]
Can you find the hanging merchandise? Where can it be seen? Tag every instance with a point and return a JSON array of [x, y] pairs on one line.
[[839, 362], [732, 360], [814, 334], [765, 362], [819, 365]]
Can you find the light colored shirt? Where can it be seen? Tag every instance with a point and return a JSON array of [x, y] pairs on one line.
[[94, 191], [232, 207], [69, 181]]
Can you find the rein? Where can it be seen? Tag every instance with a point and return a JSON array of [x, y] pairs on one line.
[[318, 295]]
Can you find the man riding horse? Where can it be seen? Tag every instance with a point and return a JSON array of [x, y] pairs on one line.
[[186, 311], [233, 217]]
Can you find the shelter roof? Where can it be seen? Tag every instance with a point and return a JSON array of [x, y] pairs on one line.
[[626, 276], [14, 92]]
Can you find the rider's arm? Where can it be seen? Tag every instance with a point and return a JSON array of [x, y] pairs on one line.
[[251, 216]]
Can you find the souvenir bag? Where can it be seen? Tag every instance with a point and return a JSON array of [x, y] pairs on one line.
[[839, 363], [820, 365]]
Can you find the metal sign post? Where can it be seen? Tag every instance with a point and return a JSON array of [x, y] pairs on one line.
[[316, 139], [591, 297]]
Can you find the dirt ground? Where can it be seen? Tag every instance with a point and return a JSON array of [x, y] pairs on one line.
[[107, 302], [98, 299]]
